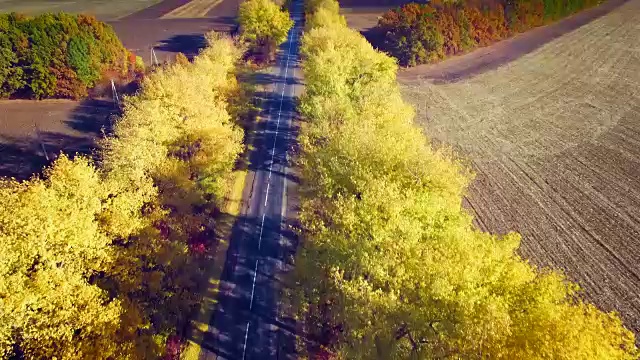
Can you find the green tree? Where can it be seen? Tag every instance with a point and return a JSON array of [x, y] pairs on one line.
[[79, 58], [59, 55], [12, 43]]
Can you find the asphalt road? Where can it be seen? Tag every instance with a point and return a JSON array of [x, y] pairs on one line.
[[246, 323]]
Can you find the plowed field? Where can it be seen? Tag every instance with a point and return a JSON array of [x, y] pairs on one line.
[[104, 10], [554, 138]]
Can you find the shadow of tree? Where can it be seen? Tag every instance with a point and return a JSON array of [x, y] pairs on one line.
[[188, 44], [232, 303], [25, 156]]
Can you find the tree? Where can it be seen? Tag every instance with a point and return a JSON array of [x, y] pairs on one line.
[[263, 24], [53, 245], [105, 262], [421, 33], [55, 55], [391, 266]]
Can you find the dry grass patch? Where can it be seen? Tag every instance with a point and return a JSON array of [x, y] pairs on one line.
[[555, 140]]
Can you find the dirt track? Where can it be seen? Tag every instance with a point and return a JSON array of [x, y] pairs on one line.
[[554, 137]]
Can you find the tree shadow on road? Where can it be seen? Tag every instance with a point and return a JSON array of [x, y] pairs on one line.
[[226, 326]]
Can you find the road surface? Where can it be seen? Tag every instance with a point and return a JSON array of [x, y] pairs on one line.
[[245, 324]]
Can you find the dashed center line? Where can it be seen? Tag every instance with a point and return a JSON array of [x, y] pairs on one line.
[[292, 39], [253, 287]]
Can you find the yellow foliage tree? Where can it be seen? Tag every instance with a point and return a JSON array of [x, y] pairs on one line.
[[52, 247], [104, 263], [176, 140], [263, 24], [391, 266]]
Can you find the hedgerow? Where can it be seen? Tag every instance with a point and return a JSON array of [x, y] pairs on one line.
[[103, 260], [422, 33], [390, 264], [55, 55]]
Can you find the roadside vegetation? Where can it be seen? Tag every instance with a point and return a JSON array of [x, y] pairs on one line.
[[423, 33], [264, 25], [57, 55], [102, 258], [390, 264]]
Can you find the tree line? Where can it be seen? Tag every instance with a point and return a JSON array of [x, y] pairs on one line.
[[57, 55], [422, 33], [102, 256], [390, 265]]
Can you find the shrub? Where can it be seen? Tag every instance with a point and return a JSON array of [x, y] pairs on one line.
[[57, 55], [391, 266], [263, 24], [412, 33]]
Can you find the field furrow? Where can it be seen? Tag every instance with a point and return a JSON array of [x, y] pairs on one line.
[[554, 139]]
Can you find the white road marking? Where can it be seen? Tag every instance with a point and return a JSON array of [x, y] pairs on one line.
[[261, 227], [273, 149], [275, 137], [283, 208], [284, 88], [246, 335], [253, 288]]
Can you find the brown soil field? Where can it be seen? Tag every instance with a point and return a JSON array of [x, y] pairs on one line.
[[363, 16], [28, 129], [363, 20], [166, 36], [554, 137], [141, 31]]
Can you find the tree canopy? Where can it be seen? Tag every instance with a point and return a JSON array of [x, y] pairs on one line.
[[263, 22], [103, 260], [391, 266]]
